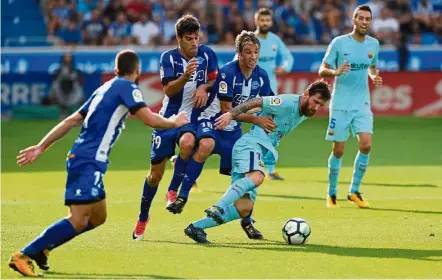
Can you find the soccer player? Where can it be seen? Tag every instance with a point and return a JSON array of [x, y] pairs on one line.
[[186, 72], [350, 58], [236, 82], [102, 121], [275, 59], [288, 111]]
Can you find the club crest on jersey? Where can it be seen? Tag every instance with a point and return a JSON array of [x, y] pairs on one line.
[[223, 76], [370, 54], [223, 87], [331, 132], [276, 101], [137, 95], [255, 85], [199, 59], [274, 48]]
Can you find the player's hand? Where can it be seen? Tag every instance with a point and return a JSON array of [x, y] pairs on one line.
[[180, 119], [29, 155], [191, 67], [280, 71], [377, 80], [223, 120], [199, 97], [343, 69], [266, 123]]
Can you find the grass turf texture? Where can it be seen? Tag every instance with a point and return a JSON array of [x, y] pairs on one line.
[[394, 239]]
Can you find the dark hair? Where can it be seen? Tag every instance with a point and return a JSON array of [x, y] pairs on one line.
[[245, 37], [263, 12], [320, 87], [187, 24], [126, 62], [362, 8]]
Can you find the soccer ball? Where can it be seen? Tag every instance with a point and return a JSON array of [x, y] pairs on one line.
[[296, 231]]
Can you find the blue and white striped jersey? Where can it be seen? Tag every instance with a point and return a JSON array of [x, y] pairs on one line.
[[104, 113], [172, 66]]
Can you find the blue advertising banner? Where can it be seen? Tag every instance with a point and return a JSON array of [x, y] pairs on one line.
[[91, 61], [29, 89]]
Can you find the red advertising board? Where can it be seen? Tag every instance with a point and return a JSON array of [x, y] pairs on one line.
[[405, 93]]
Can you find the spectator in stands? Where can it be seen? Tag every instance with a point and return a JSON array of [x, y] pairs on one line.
[[67, 89], [134, 9], [386, 27], [145, 31], [168, 26], [85, 7], [119, 32], [376, 7], [113, 9], [70, 35], [94, 29], [422, 15], [59, 16]]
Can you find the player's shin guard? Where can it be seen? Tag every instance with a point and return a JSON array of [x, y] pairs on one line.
[[193, 171], [178, 173], [236, 190], [146, 200], [360, 166], [53, 236], [334, 166]]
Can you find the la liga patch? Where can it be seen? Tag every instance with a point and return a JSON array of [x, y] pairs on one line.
[[222, 87], [275, 101], [137, 95]]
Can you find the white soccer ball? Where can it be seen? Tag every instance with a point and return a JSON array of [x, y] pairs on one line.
[[296, 231]]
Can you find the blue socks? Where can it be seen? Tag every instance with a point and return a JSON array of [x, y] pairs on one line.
[[236, 190], [178, 173], [146, 201], [193, 171], [230, 214], [55, 235], [334, 165], [360, 166]]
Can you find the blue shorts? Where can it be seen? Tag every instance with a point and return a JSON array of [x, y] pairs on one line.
[[165, 140], [84, 184], [224, 142], [341, 121]]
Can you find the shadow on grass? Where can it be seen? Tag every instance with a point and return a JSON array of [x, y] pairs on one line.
[[386, 184], [58, 274], [357, 252]]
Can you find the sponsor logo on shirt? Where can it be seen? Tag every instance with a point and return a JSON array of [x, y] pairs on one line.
[[275, 101], [137, 95], [223, 87]]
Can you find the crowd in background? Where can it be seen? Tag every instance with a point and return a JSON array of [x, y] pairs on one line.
[[297, 22]]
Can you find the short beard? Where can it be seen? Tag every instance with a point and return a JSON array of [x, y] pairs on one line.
[[264, 31]]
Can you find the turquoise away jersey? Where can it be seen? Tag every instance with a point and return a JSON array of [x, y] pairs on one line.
[[350, 91], [285, 112]]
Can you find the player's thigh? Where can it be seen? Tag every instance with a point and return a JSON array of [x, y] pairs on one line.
[[339, 126], [98, 213], [206, 137], [162, 145], [247, 157], [185, 136], [362, 122]]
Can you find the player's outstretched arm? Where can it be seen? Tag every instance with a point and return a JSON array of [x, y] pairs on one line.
[[30, 154], [224, 120], [157, 121]]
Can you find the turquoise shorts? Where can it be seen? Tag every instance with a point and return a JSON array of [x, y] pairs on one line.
[[340, 122], [247, 156]]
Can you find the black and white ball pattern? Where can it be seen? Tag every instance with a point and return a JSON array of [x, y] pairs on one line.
[[296, 231]]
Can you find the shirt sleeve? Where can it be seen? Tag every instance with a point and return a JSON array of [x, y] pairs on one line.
[[213, 62], [374, 61], [277, 105], [284, 56], [85, 107], [265, 89], [132, 98], [331, 56], [166, 69], [223, 86]]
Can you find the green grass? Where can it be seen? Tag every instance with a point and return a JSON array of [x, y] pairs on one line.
[[394, 239]]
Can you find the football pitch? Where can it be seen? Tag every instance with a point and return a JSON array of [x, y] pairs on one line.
[[399, 237]]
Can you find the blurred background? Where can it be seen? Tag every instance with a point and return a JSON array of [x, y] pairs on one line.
[[56, 52]]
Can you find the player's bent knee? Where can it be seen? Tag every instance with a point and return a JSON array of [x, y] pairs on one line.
[[98, 220], [365, 148], [205, 147], [257, 177], [187, 143], [79, 222], [338, 149], [154, 178]]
